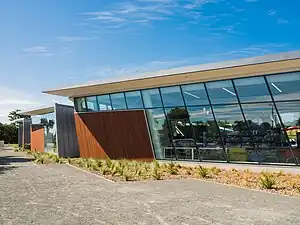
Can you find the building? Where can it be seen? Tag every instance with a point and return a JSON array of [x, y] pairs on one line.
[[52, 129], [233, 111], [23, 125]]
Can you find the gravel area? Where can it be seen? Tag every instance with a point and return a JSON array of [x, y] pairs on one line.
[[60, 194]]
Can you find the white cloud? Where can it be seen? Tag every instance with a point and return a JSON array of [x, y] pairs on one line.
[[38, 50], [282, 21], [272, 12], [12, 99]]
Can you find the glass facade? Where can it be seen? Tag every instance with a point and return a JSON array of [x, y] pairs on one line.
[[254, 119], [48, 121]]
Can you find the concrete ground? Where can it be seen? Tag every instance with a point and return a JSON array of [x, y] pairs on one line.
[[59, 194]]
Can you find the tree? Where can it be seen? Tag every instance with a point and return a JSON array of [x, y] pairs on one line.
[[14, 115], [9, 133]]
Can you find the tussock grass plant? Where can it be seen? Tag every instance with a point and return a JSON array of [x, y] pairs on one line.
[[267, 180], [203, 171]]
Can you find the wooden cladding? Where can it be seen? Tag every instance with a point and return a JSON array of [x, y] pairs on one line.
[[114, 134], [37, 138]]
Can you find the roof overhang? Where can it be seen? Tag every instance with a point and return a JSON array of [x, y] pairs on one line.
[[255, 66], [38, 111]]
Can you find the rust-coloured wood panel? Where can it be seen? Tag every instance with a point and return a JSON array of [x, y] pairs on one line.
[[114, 134], [37, 134]]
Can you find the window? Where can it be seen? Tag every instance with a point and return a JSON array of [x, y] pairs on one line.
[[285, 86], [234, 131], [80, 105], [92, 104], [252, 89], [159, 131], [171, 96], [269, 139], [208, 141], [290, 116], [151, 98], [118, 101], [221, 92], [104, 102], [194, 94], [134, 100]]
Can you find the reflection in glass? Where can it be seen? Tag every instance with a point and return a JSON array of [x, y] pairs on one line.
[[221, 92], [134, 100], [234, 131], [80, 105], [285, 86], [290, 116], [209, 144], [182, 134], [151, 98], [269, 138], [252, 89], [48, 122], [118, 101], [159, 133], [104, 102], [92, 104], [171, 96], [194, 94]]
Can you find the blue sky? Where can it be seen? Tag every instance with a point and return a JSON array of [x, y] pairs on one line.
[[52, 43]]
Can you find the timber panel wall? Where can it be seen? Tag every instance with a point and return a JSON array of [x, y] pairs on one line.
[[37, 138], [114, 134], [66, 133]]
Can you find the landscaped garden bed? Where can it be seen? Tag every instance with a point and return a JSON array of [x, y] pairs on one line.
[[126, 171]]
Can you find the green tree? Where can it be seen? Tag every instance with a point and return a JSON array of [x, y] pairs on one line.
[[14, 115]]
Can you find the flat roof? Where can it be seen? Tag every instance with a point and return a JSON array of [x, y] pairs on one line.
[[254, 66], [38, 111]]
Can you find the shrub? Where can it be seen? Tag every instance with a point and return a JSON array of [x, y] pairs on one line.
[[267, 180], [172, 168], [215, 170], [203, 171], [156, 174]]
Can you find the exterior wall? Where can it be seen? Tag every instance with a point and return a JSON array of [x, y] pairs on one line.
[[37, 138], [67, 143], [20, 135], [26, 131], [116, 135]]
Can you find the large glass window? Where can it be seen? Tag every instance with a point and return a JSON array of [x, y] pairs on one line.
[[252, 89], [92, 104], [104, 102], [290, 116], [221, 92], [160, 135], [182, 133], [80, 105], [118, 101], [269, 139], [134, 100], [194, 94], [172, 96], [151, 98], [285, 86], [234, 131], [208, 142]]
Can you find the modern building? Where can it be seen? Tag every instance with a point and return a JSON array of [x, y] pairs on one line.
[[23, 125], [52, 129], [244, 110]]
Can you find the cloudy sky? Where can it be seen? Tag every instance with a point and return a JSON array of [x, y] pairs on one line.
[[52, 43]]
